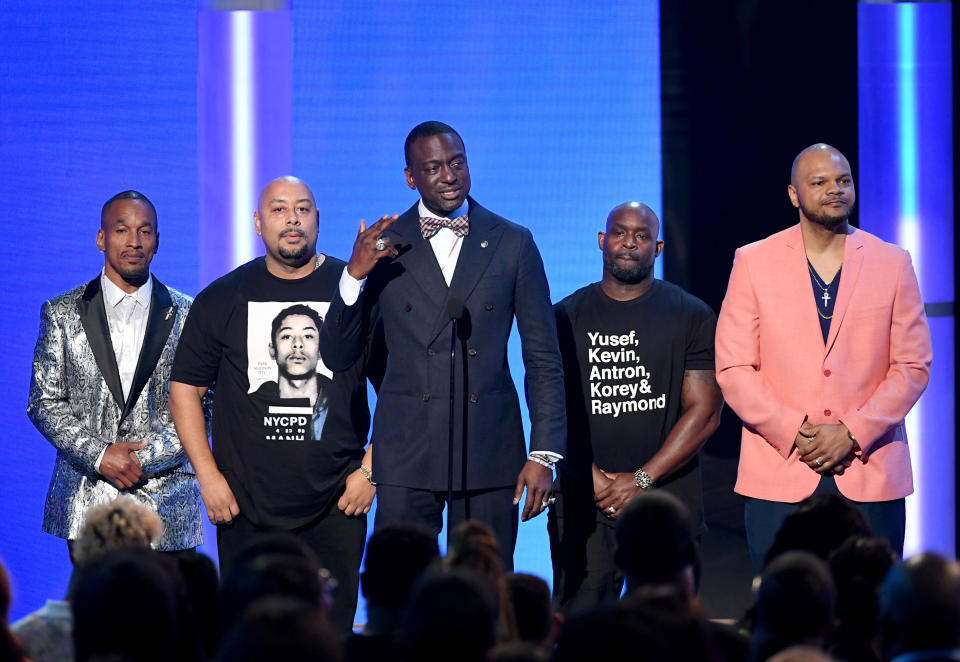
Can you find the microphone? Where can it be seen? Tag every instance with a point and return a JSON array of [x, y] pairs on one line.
[[454, 308]]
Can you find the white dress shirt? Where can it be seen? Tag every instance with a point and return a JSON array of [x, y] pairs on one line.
[[127, 328], [446, 243]]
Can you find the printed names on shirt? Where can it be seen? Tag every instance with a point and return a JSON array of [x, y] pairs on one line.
[[618, 382]]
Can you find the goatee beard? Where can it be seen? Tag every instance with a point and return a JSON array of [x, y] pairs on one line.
[[829, 222], [627, 276], [825, 220], [296, 257]]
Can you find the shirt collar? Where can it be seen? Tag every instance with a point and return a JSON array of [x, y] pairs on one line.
[[459, 211], [113, 294]]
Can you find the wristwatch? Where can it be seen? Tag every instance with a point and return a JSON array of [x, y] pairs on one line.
[[366, 473], [644, 482]]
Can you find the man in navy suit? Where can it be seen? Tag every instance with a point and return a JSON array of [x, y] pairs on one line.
[[407, 280]]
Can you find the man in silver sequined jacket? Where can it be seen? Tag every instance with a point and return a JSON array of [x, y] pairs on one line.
[[100, 383]]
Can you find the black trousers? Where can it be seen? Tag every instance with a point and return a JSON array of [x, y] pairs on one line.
[[581, 551], [336, 539], [493, 507]]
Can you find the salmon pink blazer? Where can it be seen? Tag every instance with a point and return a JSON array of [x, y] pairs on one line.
[[774, 368]]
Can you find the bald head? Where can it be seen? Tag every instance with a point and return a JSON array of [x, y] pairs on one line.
[[816, 153], [284, 183], [635, 210]]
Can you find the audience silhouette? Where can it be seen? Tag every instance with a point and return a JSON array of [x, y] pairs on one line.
[[828, 591]]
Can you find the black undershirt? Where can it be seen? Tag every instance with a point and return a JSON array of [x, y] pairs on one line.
[[825, 299]]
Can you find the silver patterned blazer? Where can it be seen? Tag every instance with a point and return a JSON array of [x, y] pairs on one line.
[[76, 402]]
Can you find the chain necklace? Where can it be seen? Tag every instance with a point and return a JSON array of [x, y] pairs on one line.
[[820, 282], [824, 287]]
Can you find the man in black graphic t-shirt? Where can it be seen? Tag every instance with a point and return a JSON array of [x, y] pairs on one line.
[[288, 435], [641, 401]]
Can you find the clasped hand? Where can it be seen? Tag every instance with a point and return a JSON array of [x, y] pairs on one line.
[[826, 448], [120, 466]]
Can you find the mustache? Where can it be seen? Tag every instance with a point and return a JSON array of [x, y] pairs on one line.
[[292, 230]]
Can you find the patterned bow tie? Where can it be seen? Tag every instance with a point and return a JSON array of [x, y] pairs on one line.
[[430, 226]]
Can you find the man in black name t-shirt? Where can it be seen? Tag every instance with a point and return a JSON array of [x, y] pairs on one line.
[[641, 401], [288, 434]]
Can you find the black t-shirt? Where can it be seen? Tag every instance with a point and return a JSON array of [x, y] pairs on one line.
[[623, 367], [285, 454]]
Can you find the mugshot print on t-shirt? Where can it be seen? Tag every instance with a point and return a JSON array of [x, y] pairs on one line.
[[285, 369]]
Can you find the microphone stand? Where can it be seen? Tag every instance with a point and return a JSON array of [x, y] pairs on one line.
[[455, 311]]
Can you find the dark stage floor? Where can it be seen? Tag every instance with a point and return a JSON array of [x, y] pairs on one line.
[[725, 587]]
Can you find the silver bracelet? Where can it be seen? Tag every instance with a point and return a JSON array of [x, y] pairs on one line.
[[541, 462]]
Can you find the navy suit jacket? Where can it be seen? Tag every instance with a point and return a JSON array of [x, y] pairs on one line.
[[403, 310]]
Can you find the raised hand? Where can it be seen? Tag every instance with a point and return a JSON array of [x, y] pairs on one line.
[[371, 247]]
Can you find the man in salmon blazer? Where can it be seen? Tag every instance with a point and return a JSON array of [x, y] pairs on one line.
[[822, 348]]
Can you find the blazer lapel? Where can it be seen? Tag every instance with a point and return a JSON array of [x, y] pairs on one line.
[[417, 258], [160, 320], [476, 251], [93, 317], [800, 275], [852, 262]]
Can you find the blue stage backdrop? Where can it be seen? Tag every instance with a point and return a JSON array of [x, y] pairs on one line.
[[558, 106]]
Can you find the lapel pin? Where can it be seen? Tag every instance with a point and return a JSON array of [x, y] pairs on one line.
[[169, 313], [483, 244]]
